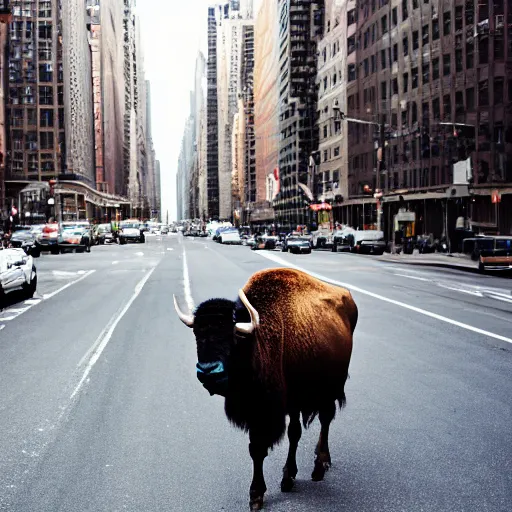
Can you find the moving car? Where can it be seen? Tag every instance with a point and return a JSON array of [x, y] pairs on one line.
[[230, 236], [129, 231], [264, 242], [17, 272], [297, 245], [24, 238]]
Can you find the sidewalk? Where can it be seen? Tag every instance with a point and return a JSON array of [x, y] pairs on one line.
[[455, 260]]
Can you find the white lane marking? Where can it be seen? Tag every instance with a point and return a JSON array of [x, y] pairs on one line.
[[63, 273], [50, 295], [461, 290], [139, 254], [499, 297], [82, 272], [18, 310], [279, 260], [33, 302], [170, 249], [105, 336], [8, 318], [412, 277], [186, 283], [115, 262]]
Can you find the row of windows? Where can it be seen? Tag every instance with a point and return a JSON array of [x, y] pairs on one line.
[[29, 140], [46, 117], [20, 29], [26, 95]]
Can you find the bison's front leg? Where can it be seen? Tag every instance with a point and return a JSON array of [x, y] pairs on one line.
[[290, 468], [258, 450], [323, 457]]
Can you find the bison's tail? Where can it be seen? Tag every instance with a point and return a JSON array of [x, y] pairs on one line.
[[309, 414]]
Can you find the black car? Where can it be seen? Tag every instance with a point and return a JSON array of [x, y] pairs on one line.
[[24, 238], [297, 245]]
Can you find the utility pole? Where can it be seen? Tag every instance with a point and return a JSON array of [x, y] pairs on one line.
[[380, 160]]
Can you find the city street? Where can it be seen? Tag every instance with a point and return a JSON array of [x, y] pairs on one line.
[[101, 410]]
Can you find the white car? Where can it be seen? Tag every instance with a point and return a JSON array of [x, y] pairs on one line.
[[17, 272], [230, 236]]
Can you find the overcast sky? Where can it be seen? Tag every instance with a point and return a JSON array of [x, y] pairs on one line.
[[172, 34]]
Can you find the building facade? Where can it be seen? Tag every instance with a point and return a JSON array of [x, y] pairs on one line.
[[266, 112], [436, 77], [230, 36], [300, 28]]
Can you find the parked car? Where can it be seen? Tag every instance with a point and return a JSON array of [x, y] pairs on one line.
[[297, 245], [230, 236], [265, 242], [129, 231], [164, 230], [102, 234], [24, 238], [17, 273], [75, 237]]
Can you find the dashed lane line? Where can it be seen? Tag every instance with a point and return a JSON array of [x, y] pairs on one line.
[[424, 312]]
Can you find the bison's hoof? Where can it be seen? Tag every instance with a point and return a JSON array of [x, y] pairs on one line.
[[287, 484], [256, 503], [319, 471]]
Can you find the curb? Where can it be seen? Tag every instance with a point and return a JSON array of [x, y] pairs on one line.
[[439, 264]]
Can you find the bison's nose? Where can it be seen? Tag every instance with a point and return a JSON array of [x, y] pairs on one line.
[[210, 368]]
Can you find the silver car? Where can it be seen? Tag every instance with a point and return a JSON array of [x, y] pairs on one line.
[[17, 272]]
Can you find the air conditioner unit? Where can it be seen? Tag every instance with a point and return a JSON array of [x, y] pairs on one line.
[[457, 191]]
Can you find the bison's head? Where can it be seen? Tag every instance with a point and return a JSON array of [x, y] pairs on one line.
[[216, 324]]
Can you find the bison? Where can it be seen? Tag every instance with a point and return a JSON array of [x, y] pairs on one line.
[[281, 349]]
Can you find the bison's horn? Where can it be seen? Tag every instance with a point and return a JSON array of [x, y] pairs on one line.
[[247, 328], [188, 320]]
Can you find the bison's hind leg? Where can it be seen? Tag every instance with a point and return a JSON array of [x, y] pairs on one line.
[[323, 457], [290, 468]]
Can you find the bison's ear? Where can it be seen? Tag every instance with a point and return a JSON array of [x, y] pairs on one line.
[[247, 328], [188, 320]]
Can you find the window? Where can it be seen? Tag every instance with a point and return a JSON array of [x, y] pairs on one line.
[[426, 73], [325, 131], [373, 64], [406, 82], [483, 94], [446, 64], [333, 80], [414, 112], [325, 153], [405, 14], [415, 4], [46, 139], [383, 90], [458, 17], [414, 80], [447, 23], [458, 60], [425, 35], [351, 45], [459, 102], [395, 86], [436, 111], [45, 95], [470, 99], [483, 50], [470, 14], [31, 141], [337, 152], [394, 16], [60, 76], [447, 106], [435, 30], [352, 73], [470, 56], [45, 30], [46, 118], [374, 32], [60, 94], [33, 164], [384, 24], [415, 40], [383, 59], [31, 117], [499, 90], [351, 17], [45, 73], [45, 9], [325, 83], [395, 52], [499, 46], [405, 45], [61, 119], [435, 69], [366, 66]]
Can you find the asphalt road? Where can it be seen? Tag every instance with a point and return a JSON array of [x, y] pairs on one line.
[[100, 408]]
